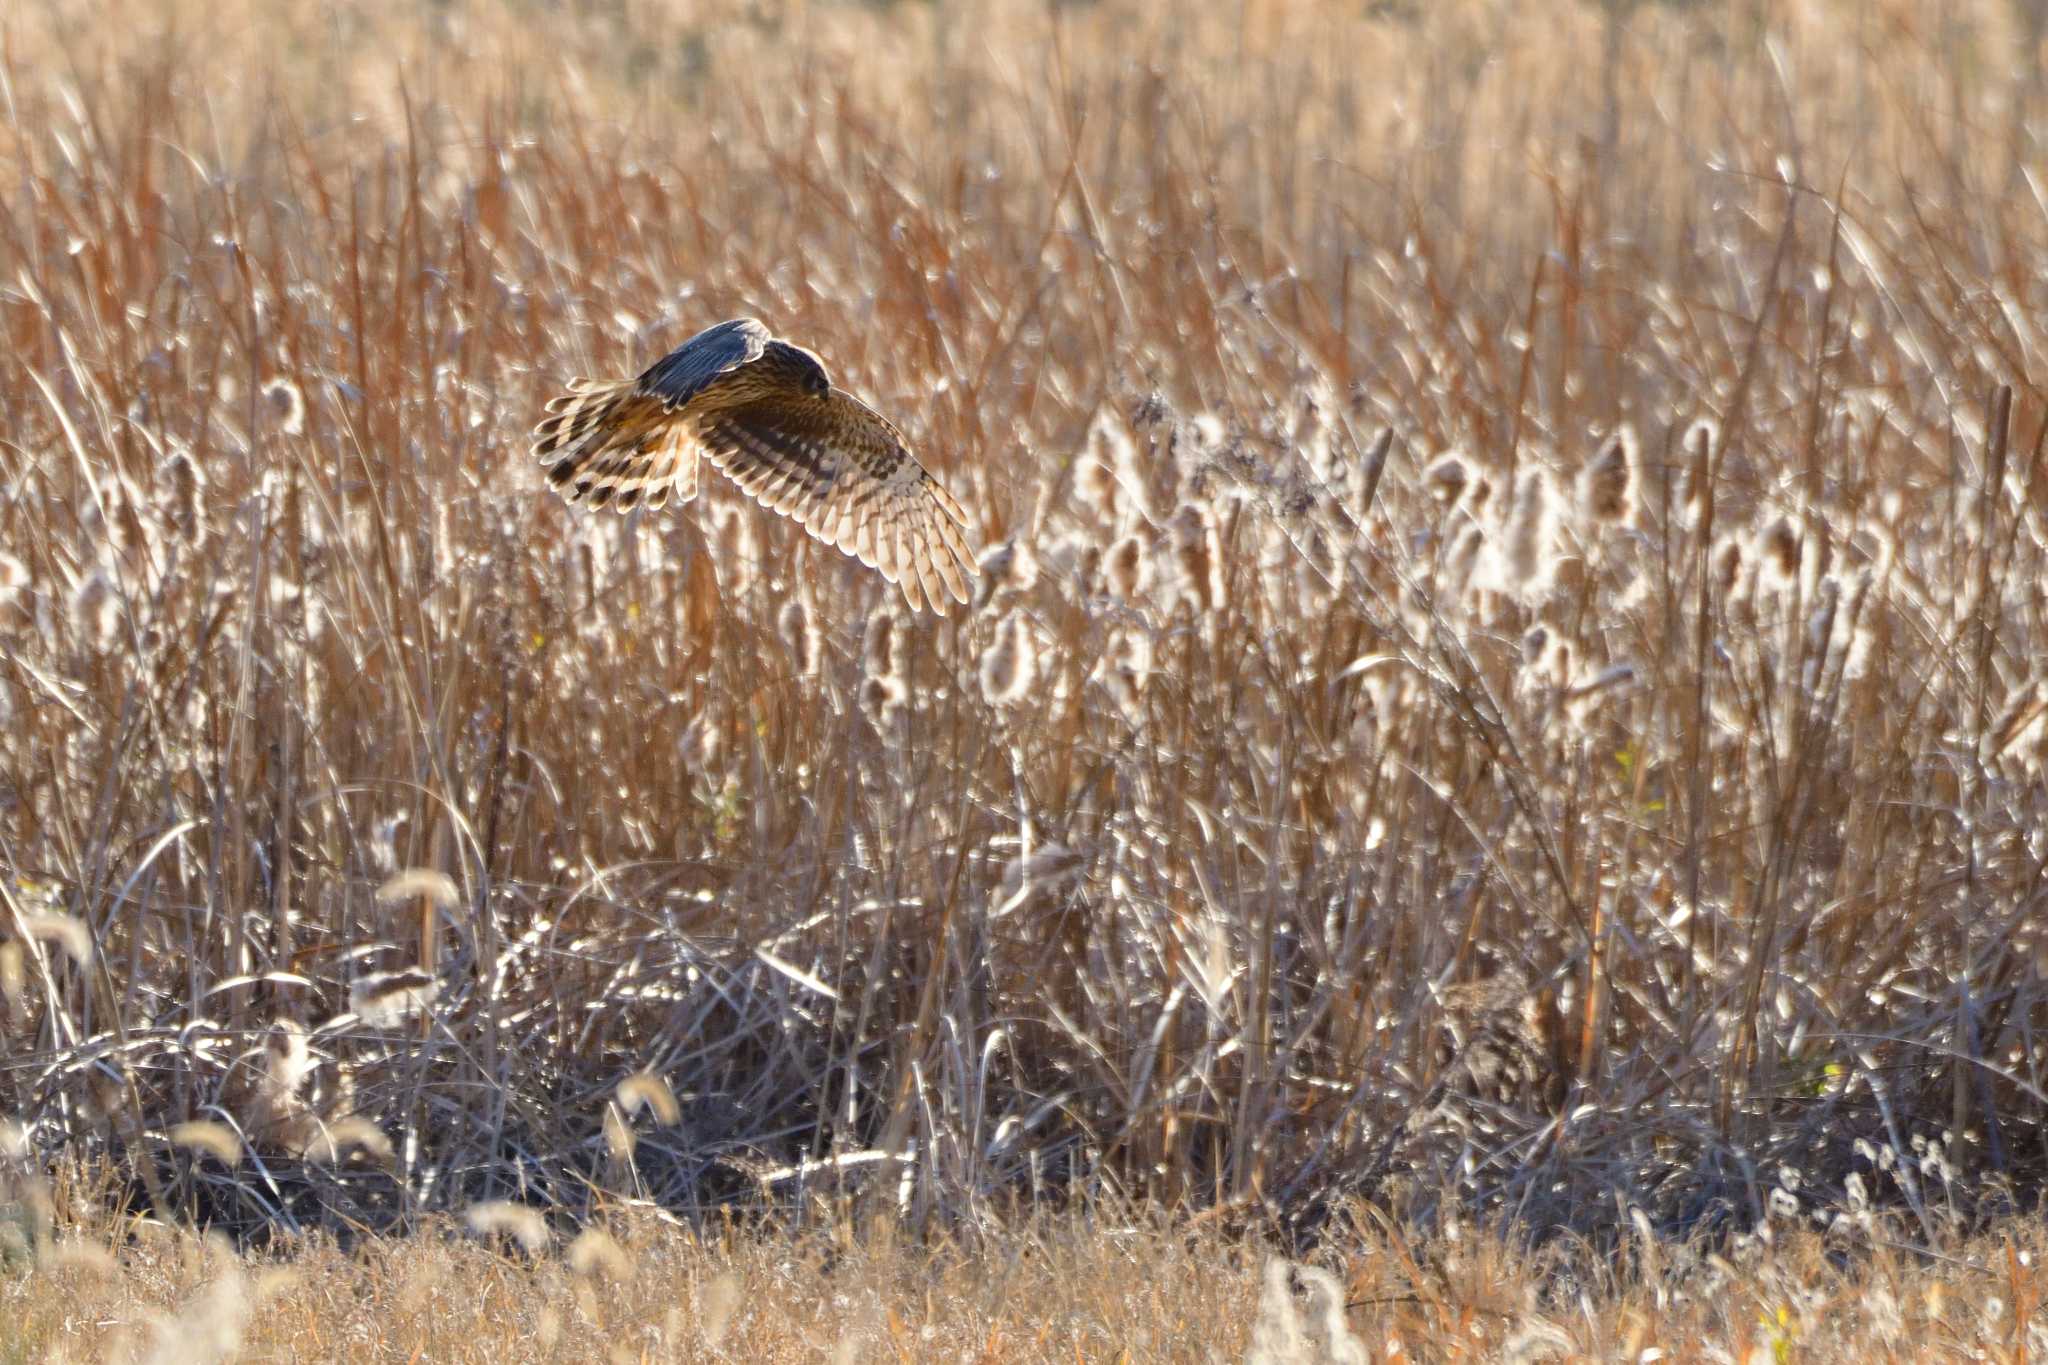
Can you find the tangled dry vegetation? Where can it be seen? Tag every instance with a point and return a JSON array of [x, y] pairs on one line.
[[1506, 682]]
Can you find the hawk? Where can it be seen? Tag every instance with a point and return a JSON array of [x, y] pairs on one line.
[[764, 413]]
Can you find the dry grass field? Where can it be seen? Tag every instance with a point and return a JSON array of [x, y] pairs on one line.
[[1498, 750]]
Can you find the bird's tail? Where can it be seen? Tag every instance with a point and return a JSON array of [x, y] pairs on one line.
[[608, 444]]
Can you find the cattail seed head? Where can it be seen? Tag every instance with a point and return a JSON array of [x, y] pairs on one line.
[[1097, 489], [1700, 441], [209, 1137], [1461, 560], [619, 1137], [1198, 553], [415, 882], [647, 1090], [287, 405], [344, 1135], [1607, 485], [1778, 552], [520, 1222], [384, 841], [1126, 569], [1009, 666], [183, 490], [287, 1060], [96, 611], [594, 1253], [1127, 671], [66, 932], [1447, 476], [13, 977], [1525, 561], [1726, 565], [1109, 440], [885, 647], [1206, 432], [796, 624], [1007, 569], [387, 999], [881, 700], [703, 739]]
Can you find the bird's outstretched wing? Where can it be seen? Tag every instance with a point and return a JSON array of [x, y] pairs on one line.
[[623, 443], [766, 414], [842, 471]]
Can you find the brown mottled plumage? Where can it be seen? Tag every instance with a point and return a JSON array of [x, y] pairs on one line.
[[764, 412]]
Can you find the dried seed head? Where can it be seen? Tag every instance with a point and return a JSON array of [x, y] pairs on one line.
[[213, 1139], [714, 1316], [1009, 666], [417, 882], [1526, 560], [647, 1090], [287, 1060], [337, 1139], [1005, 569], [1700, 441], [522, 1223], [1694, 488], [384, 841], [1607, 485], [1198, 554], [1127, 671], [65, 931], [13, 976], [1447, 477], [796, 624], [885, 648], [881, 700], [1311, 432], [1206, 432], [386, 999], [1547, 655], [619, 1137], [701, 742], [1778, 552], [1462, 558], [1097, 488], [287, 405], [1126, 569], [1729, 560], [595, 1254], [96, 611], [1477, 499]]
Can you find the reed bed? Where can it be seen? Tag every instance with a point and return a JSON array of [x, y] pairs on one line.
[[1505, 687]]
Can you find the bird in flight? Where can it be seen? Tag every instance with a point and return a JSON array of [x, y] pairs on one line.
[[764, 413]]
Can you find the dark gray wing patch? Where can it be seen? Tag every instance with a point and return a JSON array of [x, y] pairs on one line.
[[686, 371]]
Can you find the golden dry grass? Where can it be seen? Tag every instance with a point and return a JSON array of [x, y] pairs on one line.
[[1052, 1290], [1506, 683]]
